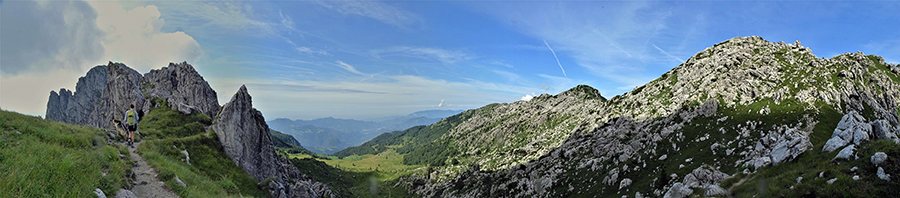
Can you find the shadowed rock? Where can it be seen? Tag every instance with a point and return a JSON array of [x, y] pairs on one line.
[[244, 135]]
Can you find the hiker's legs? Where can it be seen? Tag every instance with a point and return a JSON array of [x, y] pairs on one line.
[[131, 135]]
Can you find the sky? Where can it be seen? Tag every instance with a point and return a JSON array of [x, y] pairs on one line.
[[369, 59]]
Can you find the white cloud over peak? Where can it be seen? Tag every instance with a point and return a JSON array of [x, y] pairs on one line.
[[48, 45], [134, 37], [528, 97]]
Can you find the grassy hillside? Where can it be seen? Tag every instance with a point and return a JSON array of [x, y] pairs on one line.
[[416, 142], [359, 176], [286, 144], [211, 173], [43, 158]]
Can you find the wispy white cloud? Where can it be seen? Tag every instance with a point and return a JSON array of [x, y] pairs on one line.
[[349, 68], [501, 63], [311, 51], [438, 54], [379, 11]]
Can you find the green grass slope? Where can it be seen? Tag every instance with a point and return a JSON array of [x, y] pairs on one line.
[[417, 143], [43, 158], [211, 173]]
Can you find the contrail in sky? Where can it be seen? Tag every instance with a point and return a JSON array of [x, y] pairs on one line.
[[557, 58], [667, 53]]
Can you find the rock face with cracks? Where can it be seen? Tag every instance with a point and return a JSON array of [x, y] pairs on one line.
[[244, 135], [106, 92], [183, 87]]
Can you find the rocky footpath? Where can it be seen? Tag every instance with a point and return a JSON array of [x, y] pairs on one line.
[[106, 92], [244, 135], [738, 106]]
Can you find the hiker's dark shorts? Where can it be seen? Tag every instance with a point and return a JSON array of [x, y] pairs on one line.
[[131, 127]]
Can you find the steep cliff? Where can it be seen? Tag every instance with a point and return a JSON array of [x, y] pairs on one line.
[[76, 107], [245, 136]]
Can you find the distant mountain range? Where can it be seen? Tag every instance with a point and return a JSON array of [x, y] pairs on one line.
[[329, 135]]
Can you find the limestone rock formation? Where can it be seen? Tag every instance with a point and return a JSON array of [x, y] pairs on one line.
[[76, 107], [791, 145], [244, 135], [123, 88], [846, 153], [745, 102], [106, 92], [853, 128], [183, 87]]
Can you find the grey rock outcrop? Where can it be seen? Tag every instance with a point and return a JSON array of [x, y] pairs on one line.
[[678, 190], [243, 132], [183, 87], [107, 91], [882, 130], [76, 107], [99, 193], [846, 153], [882, 175], [853, 128], [244, 135], [704, 177], [123, 88], [878, 158], [57, 103], [792, 144]]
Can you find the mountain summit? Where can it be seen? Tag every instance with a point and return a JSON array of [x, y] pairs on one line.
[[743, 109]]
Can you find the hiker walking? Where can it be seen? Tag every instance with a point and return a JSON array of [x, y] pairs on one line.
[[131, 121]]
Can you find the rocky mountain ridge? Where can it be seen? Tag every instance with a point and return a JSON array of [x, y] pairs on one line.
[[742, 105], [105, 93]]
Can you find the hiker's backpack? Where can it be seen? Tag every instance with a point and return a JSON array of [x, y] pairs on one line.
[[130, 117]]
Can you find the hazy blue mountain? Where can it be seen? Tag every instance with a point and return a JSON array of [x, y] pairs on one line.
[[329, 135]]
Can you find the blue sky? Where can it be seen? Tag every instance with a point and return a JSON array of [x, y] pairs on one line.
[[366, 59]]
